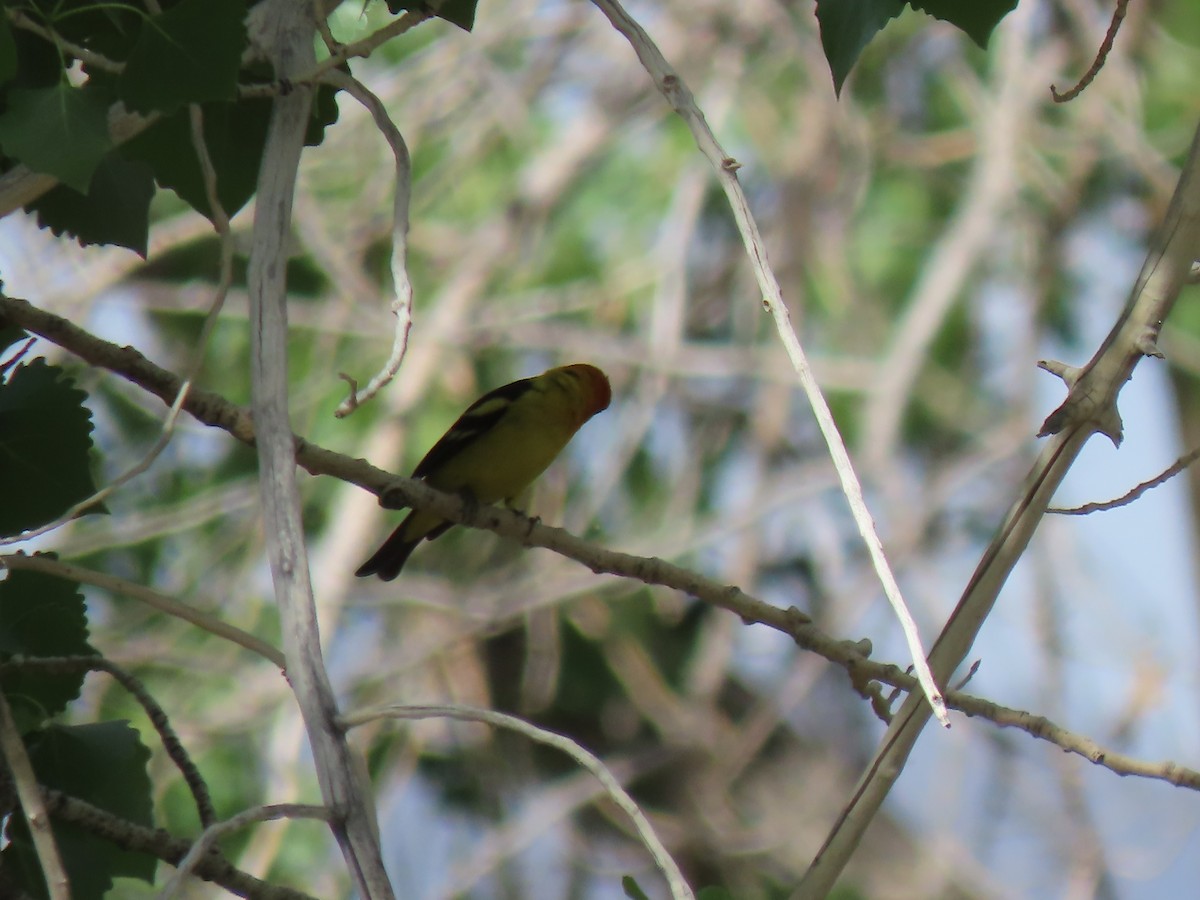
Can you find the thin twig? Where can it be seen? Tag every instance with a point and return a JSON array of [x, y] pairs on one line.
[[216, 830], [681, 100], [675, 880], [160, 444], [155, 713], [83, 54], [136, 838], [402, 301], [220, 221], [1101, 56], [367, 45], [6, 364], [1170, 472], [32, 805], [161, 602], [331, 43]]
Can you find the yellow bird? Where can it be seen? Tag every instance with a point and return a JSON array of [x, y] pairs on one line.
[[496, 449]]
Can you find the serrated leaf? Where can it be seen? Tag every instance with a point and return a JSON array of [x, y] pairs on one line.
[[456, 12], [45, 437], [115, 210], [60, 131], [104, 764], [189, 54], [41, 616], [847, 26], [977, 19]]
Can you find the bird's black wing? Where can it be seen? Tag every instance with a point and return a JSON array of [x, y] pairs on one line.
[[478, 418]]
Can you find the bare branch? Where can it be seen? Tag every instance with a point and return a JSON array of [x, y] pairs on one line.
[[32, 805], [365, 47], [1090, 408], [1106, 45], [205, 842], [155, 713], [96, 60], [150, 597], [402, 301], [849, 655], [211, 867], [1125, 499], [287, 38]]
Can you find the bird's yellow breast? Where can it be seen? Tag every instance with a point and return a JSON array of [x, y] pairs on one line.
[[505, 460]]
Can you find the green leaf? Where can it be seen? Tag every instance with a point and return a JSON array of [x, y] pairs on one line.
[[847, 26], [60, 131], [38, 63], [105, 765], [324, 113], [41, 616], [235, 134], [115, 210], [977, 18], [632, 890], [45, 437], [456, 12], [189, 54], [8, 48]]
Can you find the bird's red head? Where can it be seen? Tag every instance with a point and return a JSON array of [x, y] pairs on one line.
[[596, 387]]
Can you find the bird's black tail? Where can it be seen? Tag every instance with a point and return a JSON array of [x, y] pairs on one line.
[[390, 558]]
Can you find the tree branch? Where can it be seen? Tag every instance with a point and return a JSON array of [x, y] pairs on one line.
[[211, 867], [402, 289], [288, 29], [152, 598], [1090, 407], [853, 656], [205, 842], [12, 749], [155, 713]]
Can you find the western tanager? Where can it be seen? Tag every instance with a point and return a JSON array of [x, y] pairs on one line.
[[496, 449]]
